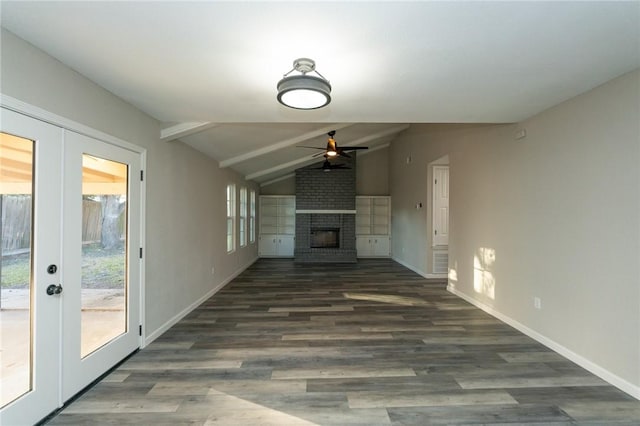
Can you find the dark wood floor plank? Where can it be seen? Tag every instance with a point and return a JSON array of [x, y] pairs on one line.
[[370, 344]]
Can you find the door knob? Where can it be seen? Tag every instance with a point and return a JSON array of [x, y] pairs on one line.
[[54, 289]]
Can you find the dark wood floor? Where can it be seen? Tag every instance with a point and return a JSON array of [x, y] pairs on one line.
[[366, 344]]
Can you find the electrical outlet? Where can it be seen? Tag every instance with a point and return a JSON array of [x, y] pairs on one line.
[[537, 303], [213, 270]]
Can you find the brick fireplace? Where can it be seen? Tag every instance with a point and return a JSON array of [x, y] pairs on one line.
[[325, 215]]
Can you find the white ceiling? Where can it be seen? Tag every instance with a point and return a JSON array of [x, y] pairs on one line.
[[217, 64]]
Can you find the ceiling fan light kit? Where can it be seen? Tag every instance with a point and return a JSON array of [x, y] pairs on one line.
[[304, 91]]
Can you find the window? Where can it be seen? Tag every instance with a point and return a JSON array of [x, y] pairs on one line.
[[231, 218], [243, 217], [252, 218]]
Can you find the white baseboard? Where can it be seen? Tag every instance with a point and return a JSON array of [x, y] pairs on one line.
[[171, 322], [419, 271], [599, 371], [409, 266]]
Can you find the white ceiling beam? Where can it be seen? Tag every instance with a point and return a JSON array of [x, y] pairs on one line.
[[180, 130], [282, 144], [381, 134]]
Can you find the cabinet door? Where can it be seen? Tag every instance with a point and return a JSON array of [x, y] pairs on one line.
[[268, 245], [285, 245], [380, 246], [363, 246]]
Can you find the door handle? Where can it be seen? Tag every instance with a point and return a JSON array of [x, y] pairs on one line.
[[54, 289]]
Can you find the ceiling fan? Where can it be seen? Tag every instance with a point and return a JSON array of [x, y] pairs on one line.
[[332, 150], [327, 166]]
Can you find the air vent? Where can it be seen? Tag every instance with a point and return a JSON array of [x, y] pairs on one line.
[[440, 262]]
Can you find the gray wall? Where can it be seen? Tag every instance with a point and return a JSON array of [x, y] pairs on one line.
[[186, 236], [555, 215], [372, 174], [282, 187]]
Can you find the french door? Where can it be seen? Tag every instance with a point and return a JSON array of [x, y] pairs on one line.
[[70, 294]]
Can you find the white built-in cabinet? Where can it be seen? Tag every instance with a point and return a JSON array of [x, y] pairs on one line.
[[373, 226], [277, 225]]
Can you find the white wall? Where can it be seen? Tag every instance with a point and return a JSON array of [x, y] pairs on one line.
[[186, 216], [555, 215]]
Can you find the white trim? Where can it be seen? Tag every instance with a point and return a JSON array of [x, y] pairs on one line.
[[599, 371], [325, 212], [181, 130], [59, 121], [420, 271], [174, 320], [409, 266], [143, 243]]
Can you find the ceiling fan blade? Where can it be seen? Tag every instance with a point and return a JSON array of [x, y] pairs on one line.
[[310, 147], [341, 153], [353, 148]]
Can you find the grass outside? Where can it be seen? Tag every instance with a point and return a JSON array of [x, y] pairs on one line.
[[101, 268]]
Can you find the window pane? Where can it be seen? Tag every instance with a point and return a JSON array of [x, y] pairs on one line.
[[252, 219], [16, 196], [229, 234], [243, 217], [231, 217], [104, 242]]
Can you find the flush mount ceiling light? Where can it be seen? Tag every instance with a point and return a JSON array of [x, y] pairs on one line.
[[304, 91]]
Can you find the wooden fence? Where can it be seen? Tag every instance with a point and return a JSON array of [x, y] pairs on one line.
[[16, 222]]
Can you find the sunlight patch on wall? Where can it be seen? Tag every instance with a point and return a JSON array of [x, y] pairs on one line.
[[483, 280], [453, 275]]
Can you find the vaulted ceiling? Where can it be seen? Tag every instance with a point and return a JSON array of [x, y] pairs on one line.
[[208, 70]]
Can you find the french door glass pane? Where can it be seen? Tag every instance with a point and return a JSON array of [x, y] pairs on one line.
[[104, 256], [16, 201]]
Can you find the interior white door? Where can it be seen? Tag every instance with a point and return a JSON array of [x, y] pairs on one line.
[[30, 171], [101, 312], [440, 205]]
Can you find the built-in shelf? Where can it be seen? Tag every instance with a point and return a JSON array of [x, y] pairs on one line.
[[373, 226], [277, 225]]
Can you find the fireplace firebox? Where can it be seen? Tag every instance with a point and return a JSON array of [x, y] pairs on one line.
[[325, 238]]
